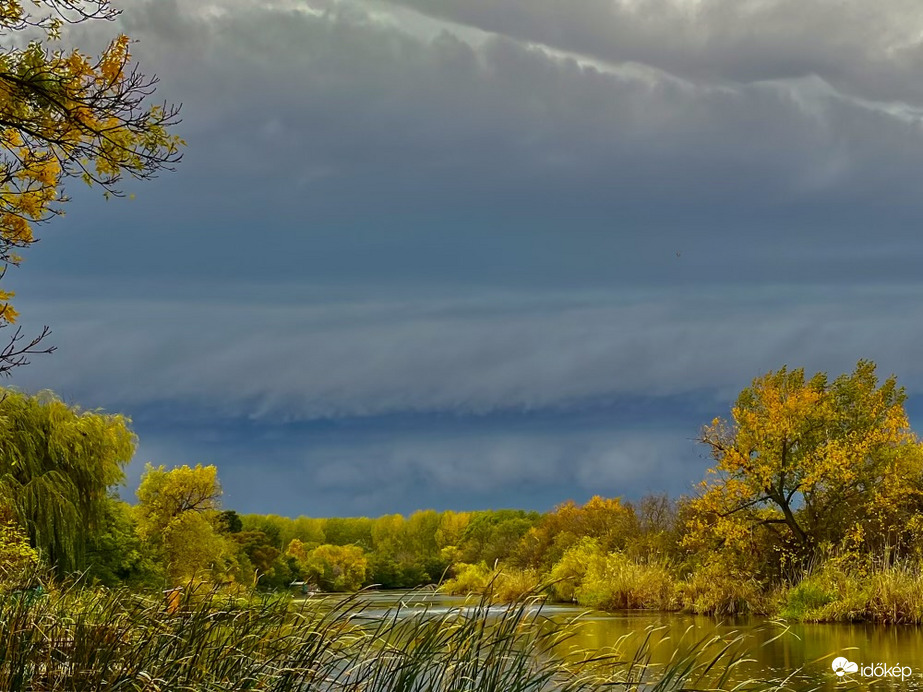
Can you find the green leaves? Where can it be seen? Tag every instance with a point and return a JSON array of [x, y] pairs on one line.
[[178, 514], [56, 466]]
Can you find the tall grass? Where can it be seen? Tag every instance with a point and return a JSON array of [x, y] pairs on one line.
[[858, 592], [78, 639], [713, 589], [615, 582], [500, 585]]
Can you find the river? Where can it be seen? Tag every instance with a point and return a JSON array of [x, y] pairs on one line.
[[801, 652]]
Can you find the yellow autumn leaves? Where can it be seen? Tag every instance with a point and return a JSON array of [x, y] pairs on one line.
[[805, 462], [65, 114]]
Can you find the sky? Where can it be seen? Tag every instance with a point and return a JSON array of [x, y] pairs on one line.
[[469, 254]]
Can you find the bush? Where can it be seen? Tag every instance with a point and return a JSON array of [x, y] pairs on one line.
[[468, 579], [16, 555], [717, 589], [618, 583], [805, 599], [511, 585], [592, 578], [568, 573], [336, 567]]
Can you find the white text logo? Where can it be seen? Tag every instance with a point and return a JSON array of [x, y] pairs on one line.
[[843, 666]]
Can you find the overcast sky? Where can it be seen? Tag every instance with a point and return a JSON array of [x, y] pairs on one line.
[[463, 254]]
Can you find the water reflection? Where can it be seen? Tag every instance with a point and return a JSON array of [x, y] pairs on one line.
[[800, 652]]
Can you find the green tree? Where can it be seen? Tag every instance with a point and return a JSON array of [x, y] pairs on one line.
[[65, 114], [178, 512], [261, 563], [258, 548], [349, 531], [231, 522], [492, 536], [309, 530], [116, 555], [810, 461], [337, 567], [272, 525], [57, 464]]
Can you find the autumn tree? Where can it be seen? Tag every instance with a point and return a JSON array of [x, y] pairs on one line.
[[57, 464], [178, 513], [659, 528], [336, 567], [810, 461], [605, 519], [66, 114]]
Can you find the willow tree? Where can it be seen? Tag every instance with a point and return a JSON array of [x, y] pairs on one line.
[[57, 464], [66, 114], [809, 461]]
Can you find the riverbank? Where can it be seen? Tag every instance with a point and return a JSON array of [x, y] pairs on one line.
[[839, 590]]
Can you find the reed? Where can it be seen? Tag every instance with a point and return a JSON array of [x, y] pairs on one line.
[[886, 593], [80, 639]]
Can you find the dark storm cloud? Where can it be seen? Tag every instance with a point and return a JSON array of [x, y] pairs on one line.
[[401, 464], [307, 99], [326, 360], [366, 141], [472, 208]]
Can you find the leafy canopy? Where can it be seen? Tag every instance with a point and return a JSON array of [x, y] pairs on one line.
[[66, 114], [178, 514], [810, 461], [56, 466]]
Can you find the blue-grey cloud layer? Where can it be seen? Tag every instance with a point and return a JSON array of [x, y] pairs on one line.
[[396, 210]]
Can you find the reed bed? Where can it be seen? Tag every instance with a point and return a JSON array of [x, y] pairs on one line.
[[78, 639]]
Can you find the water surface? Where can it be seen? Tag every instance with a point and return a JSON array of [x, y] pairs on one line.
[[800, 652]]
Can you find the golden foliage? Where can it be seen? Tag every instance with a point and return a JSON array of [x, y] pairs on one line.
[[63, 114], [809, 461]]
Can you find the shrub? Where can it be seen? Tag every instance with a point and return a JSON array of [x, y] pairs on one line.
[[568, 573], [469, 579], [806, 598], [16, 555], [509, 585], [337, 567], [716, 589], [615, 582]]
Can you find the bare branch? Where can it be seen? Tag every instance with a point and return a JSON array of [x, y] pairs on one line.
[[17, 351]]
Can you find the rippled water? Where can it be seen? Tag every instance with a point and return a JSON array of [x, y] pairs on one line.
[[801, 652]]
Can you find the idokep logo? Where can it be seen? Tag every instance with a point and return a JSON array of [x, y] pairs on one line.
[[843, 666]]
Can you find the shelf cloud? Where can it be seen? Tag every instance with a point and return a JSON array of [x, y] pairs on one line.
[[400, 213]]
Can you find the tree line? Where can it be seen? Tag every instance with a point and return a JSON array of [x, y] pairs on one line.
[[810, 474]]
